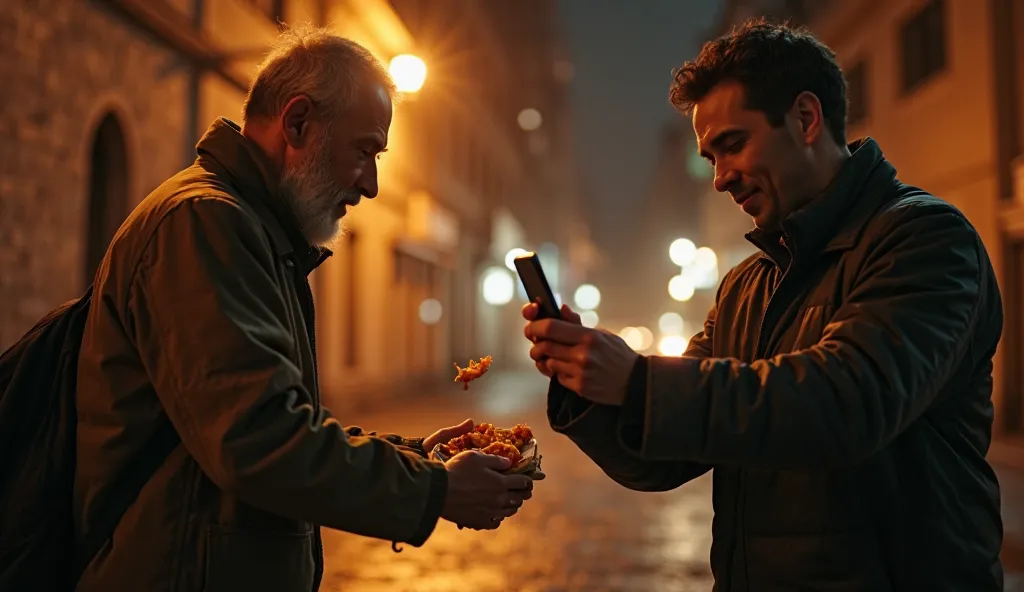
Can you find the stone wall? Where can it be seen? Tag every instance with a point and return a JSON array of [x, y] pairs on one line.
[[66, 64]]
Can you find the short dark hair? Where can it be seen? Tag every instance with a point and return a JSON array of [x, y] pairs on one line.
[[774, 63]]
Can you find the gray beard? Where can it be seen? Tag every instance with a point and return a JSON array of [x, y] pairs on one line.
[[314, 197]]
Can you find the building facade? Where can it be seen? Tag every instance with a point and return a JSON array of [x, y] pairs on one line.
[[940, 85], [104, 99]]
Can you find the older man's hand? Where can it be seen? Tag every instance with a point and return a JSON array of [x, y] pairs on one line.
[[445, 435], [593, 363]]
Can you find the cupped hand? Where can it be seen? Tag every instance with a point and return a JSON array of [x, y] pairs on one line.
[[479, 495]]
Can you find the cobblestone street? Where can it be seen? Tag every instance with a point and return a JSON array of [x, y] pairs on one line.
[[581, 531]]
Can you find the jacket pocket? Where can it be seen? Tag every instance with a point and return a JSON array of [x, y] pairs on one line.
[[237, 559]]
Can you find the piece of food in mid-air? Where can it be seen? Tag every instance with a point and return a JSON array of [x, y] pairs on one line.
[[472, 372]]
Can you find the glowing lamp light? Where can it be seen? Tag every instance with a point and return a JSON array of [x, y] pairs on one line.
[[498, 286], [430, 311], [671, 323], [633, 337], [680, 288], [529, 119], [587, 297], [702, 278], [646, 338], [589, 318], [682, 252], [672, 345], [705, 259], [408, 72], [510, 257]]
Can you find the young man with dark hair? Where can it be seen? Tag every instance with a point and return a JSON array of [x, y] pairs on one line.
[[841, 387]]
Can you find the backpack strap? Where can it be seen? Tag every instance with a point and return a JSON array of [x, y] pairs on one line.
[[139, 472]]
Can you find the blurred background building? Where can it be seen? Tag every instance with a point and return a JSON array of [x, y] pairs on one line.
[[104, 99]]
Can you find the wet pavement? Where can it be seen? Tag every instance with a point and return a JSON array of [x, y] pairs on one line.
[[581, 531]]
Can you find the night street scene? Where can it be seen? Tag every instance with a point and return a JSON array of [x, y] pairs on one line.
[[511, 296]]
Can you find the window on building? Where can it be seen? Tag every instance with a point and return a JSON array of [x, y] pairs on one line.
[[923, 44], [108, 191], [857, 93]]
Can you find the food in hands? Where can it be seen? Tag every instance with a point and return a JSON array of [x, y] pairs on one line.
[[485, 435], [505, 450], [472, 372], [508, 443]]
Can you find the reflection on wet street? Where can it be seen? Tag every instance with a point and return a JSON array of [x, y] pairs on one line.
[[581, 530]]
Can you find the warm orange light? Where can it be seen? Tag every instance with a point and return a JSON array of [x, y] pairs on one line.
[[409, 73]]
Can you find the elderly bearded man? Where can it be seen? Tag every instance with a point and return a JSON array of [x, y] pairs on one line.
[[202, 323], [841, 387]]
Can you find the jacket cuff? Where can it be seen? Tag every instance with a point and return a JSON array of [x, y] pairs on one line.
[[435, 503], [565, 408], [414, 445], [634, 408], [675, 413]]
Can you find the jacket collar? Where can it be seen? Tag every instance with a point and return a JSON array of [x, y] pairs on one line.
[[835, 219], [256, 181]]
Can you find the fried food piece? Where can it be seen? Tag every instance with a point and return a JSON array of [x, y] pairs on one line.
[[472, 372], [485, 435], [504, 449]]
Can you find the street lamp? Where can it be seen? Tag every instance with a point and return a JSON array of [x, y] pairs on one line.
[[633, 338], [671, 323], [430, 311], [672, 345], [498, 286], [705, 259], [408, 72], [680, 288], [587, 297], [646, 338], [510, 257], [529, 119], [682, 251]]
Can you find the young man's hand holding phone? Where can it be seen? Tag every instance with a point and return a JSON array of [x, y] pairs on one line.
[[594, 364]]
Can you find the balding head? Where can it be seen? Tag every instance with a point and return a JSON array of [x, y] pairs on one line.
[[320, 109], [312, 61]]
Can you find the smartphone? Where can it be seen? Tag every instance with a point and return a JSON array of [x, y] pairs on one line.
[[536, 284]]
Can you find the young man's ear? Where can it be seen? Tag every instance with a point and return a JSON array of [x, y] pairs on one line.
[[809, 118]]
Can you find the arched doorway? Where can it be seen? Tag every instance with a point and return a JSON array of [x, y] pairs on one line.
[[108, 191]]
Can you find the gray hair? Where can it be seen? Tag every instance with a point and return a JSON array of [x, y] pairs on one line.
[[313, 61]]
